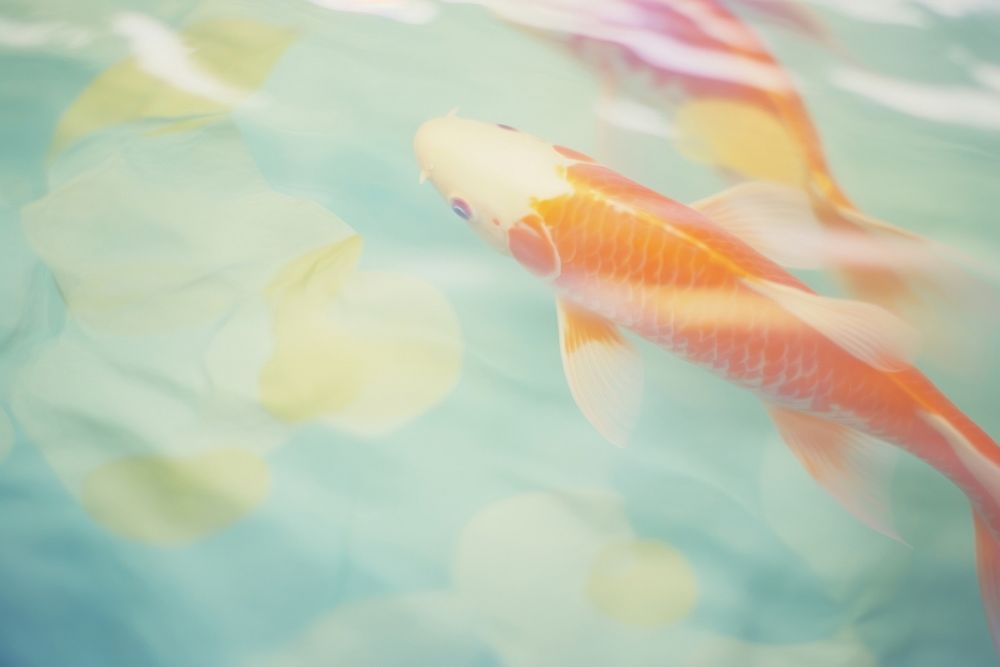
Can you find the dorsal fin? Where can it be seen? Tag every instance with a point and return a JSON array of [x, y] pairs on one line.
[[868, 332], [776, 220]]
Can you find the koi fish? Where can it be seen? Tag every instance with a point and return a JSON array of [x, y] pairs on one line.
[[740, 111], [834, 374]]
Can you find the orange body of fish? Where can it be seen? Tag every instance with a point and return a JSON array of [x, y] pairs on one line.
[[743, 114], [834, 374]]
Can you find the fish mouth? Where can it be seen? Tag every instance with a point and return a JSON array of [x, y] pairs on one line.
[[425, 173]]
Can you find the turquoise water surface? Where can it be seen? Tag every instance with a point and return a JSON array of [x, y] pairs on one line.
[[265, 401]]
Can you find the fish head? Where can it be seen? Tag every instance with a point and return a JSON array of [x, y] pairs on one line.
[[491, 175]]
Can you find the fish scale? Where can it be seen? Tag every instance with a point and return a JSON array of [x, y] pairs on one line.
[[771, 353], [775, 355], [831, 372]]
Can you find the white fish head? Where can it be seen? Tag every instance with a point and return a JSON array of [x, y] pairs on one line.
[[489, 174]]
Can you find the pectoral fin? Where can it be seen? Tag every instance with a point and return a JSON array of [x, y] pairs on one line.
[[604, 372], [853, 467]]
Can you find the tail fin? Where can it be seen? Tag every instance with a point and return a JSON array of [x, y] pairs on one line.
[[980, 456], [988, 565]]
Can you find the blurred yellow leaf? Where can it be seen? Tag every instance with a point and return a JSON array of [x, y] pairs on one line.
[[237, 52], [362, 350], [163, 500], [740, 137]]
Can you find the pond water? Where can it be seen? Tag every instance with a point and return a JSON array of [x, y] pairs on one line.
[[264, 400]]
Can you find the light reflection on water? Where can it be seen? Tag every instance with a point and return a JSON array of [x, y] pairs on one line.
[[270, 403]]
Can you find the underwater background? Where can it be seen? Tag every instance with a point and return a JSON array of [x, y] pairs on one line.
[[265, 401]]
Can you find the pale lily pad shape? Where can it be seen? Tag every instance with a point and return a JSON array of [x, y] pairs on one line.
[[159, 244], [643, 582], [563, 574], [167, 501], [548, 578], [533, 554], [151, 234], [366, 351], [839, 549], [415, 630], [206, 69], [6, 435], [125, 425]]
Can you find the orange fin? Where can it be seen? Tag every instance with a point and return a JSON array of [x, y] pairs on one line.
[[988, 566], [874, 225], [868, 332], [776, 220], [853, 467], [604, 372]]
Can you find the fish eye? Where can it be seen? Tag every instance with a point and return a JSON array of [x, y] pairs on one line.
[[506, 127], [461, 208]]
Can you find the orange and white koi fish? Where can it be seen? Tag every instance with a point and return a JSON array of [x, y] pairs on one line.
[[740, 111], [834, 374]]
